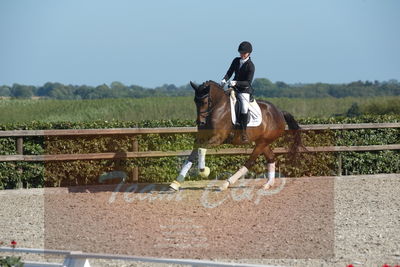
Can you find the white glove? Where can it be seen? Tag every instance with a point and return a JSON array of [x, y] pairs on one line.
[[232, 83], [223, 82]]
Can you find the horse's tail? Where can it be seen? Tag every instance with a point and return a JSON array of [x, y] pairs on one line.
[[294, 134]]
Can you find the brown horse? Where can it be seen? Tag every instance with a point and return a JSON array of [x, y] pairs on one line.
[[215, 127]]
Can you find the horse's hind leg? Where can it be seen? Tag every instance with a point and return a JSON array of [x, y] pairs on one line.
[[243, 170], [269, 156]]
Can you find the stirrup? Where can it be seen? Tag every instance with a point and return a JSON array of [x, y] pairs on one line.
[[245, 139]]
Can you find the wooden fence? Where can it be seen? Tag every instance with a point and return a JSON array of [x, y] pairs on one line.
[[135, 153]]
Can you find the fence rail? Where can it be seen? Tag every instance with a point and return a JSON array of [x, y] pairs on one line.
[[20, 134], [80, 259], [154, 154], [178, 130]]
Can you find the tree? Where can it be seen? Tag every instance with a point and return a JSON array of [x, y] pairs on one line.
[[263, 84], [21, 91], [102, 91], [280, 84], [117, 85], [171, 87], [46, 89], [5, 91], [353, 111]]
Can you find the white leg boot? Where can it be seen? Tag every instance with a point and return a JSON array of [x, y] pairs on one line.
[[181, 177], [271, 176], [242, 171], [203, 170]]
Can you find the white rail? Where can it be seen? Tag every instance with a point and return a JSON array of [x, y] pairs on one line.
[[80, 259]]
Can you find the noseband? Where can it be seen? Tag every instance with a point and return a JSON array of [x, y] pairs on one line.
[[198, 99]]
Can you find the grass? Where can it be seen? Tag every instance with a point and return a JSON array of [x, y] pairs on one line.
[[156, 108]]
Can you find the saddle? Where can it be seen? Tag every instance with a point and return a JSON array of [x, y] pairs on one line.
[[254, 118]]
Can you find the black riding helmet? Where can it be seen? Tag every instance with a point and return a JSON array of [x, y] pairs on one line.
[[245, 47]]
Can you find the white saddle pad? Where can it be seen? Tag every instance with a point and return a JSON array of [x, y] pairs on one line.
[[254, 111]]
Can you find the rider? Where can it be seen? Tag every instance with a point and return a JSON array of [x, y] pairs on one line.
[[244, 73]]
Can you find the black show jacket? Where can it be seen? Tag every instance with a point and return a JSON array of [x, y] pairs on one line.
[[243, 75]]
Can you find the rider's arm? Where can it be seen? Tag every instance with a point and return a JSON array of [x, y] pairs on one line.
[[249, 77], [230, 70]]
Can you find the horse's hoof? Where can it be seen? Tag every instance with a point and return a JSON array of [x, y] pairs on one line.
[[267, 186], [205, 173], [175, 185], [224, 186]]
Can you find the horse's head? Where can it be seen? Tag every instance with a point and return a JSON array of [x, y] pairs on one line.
[[203, 102]]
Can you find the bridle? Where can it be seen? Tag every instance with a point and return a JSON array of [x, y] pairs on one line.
[[198, 99]]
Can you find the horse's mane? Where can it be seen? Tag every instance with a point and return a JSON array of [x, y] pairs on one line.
[[210, 82], [264, 101]]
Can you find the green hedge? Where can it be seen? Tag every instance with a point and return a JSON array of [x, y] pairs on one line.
[[165, 169]]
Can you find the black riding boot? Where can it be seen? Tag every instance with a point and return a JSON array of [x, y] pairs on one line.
[[243, 124]]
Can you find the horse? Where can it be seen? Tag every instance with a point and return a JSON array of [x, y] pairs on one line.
[[215, 127]]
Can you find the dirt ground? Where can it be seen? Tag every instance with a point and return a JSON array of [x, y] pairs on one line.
[[307, 221]]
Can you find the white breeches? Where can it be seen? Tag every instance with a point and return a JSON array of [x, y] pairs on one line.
[[244, 101]]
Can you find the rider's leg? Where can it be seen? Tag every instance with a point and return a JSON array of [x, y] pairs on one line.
[[244, 110]]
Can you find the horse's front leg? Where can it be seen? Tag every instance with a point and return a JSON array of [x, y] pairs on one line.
[[215, 140], [199, 152], [176, 184]]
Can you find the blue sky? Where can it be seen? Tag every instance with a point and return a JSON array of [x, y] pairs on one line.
[[151, 42]]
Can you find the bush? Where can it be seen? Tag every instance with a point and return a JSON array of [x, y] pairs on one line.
[[11, 261]]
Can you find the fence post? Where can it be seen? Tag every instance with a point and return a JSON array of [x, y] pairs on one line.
[[20, 151], [135, 148], [20, 145], [71, 261], [339, 164]]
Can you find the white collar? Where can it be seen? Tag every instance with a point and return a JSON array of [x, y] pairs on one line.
[[242, 61]]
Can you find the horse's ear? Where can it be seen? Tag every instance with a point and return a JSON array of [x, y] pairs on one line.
[[194, 86]]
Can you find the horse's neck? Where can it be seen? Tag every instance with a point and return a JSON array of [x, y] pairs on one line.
[[221, 111], [219, 97], [217, 93]]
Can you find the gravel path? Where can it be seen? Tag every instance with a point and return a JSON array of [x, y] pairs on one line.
[[308, 221]]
